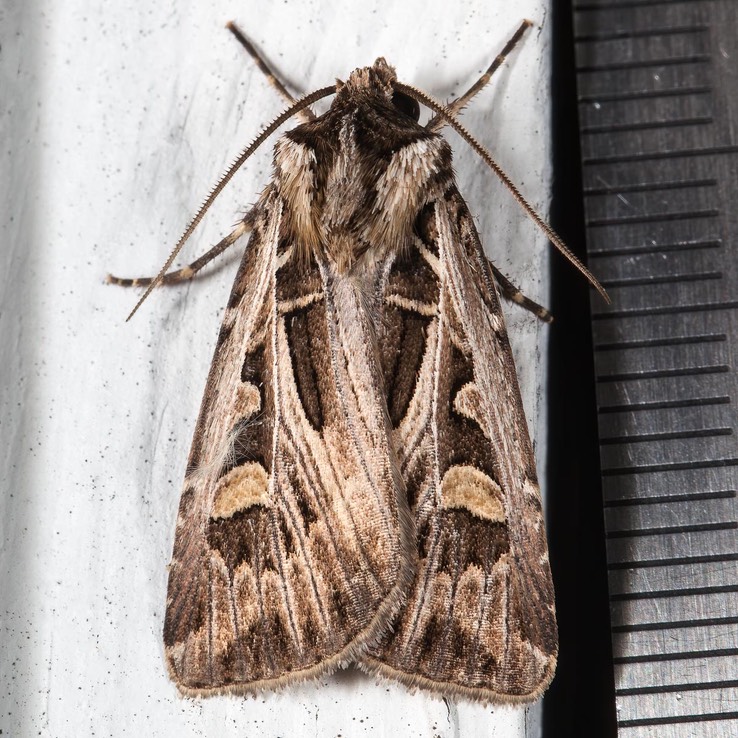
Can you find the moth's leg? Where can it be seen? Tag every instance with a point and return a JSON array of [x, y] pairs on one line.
[[306, 114], [189, 271], [456, 106], [511, 292]]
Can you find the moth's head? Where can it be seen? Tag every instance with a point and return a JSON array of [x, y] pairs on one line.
[[376, 81]]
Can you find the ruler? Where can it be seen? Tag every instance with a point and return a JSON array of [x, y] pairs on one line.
[[658, 104]]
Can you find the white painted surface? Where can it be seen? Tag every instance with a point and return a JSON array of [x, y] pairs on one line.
[[116, 119]]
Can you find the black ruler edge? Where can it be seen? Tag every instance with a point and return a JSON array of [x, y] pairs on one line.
[[581, 699]]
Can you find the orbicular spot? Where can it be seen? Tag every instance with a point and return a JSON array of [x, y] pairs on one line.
[[248, 400], [243, 487], [468, 488], [467, 403]]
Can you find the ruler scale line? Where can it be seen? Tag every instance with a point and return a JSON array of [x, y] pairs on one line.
[[663, 373], [650, 186], [672, 436], [660, 499], [666, 279], [656, 155], [685, 687], [685, 561], [663, 405], [661, 342], [645, 63], [684, 592], [667, 310], [625, 95], [677, 719], [669, 530], [672, 467], [652, 218], [598, 130], [645, 33], [578, 7], [715, 243], [676, 656]]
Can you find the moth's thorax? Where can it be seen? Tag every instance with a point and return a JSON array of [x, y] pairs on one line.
[[353, 181]]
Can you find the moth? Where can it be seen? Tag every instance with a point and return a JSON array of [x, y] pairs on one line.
[[361, 485]]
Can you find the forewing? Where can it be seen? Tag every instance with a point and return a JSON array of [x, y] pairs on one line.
[[480, 614], [290, 550]]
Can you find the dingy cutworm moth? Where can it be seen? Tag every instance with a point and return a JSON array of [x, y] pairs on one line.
[[361, 485]]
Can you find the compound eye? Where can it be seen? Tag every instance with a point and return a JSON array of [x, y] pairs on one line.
[[406, 104]]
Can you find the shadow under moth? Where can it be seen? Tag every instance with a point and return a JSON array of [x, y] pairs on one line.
[[361, 485]]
